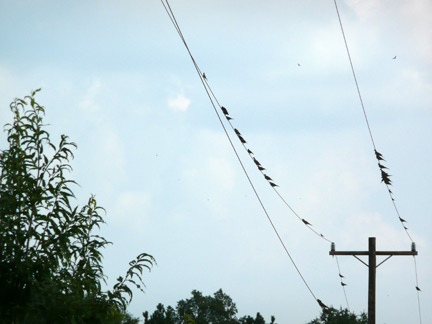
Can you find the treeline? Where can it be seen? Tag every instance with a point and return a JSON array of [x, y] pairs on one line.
[[201, 309]]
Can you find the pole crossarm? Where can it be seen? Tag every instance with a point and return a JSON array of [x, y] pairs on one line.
[[372, 254], [377, 253]]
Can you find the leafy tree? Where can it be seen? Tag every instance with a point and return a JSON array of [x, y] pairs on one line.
[[206, 309], [258, 319], [341, 316], [161, 315], [216, 309], [50, 257]]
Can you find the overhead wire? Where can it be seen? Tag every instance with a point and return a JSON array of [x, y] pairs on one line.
[[379, 157], [342, 283], [417, 290], [384, 175], [273, 185], [261, 169], [207, 88], [201, 76]]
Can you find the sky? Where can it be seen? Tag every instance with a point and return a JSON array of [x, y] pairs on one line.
[[117, 80]]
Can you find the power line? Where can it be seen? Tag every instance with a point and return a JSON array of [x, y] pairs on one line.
[[174, 21], [384, 175], [417, 289], [210, 94]]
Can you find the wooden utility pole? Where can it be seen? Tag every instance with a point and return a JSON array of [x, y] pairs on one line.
[[372, 253]]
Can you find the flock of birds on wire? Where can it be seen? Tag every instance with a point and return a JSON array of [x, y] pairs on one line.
[[385, 177]]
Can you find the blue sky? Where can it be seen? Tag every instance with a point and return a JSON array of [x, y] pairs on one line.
[[117, 80]]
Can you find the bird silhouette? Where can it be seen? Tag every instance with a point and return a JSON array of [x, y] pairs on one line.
[[204, 76], [273, 184], [241, 139], [418, 288], [250, 152], [322, 305], [402, 220], [379, 156], [224, 110], [256, 162], [228, 117], [343, 284], [394, 58], [260, 168], [267, 177], [341, 276], [298, 64], [382, 166], [385, 177], [306, 222], [237, 131]]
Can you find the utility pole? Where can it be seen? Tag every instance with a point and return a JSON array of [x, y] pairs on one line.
[[372, 253]]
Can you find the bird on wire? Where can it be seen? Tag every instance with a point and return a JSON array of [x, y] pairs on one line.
[[385, 177], [224, 110], [322, 305], [306, 222], [382, 166], [241, 139], [379, 156]]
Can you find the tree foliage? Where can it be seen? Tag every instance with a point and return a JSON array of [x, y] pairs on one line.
[[216, 309], [50, 255], [341, 316]]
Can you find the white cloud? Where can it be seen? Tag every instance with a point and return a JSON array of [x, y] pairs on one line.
[[179, 103]]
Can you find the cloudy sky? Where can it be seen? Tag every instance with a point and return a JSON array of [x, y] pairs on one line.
[[117, 79]]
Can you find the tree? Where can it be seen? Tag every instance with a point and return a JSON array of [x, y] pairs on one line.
[[258, 319], [208, 310], [50, 256], [216, 309], [342, 316], [161, 316]]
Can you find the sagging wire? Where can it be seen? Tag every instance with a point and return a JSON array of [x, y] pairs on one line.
[[273, 184], [201, 75], [385, 177], [207, 88]]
